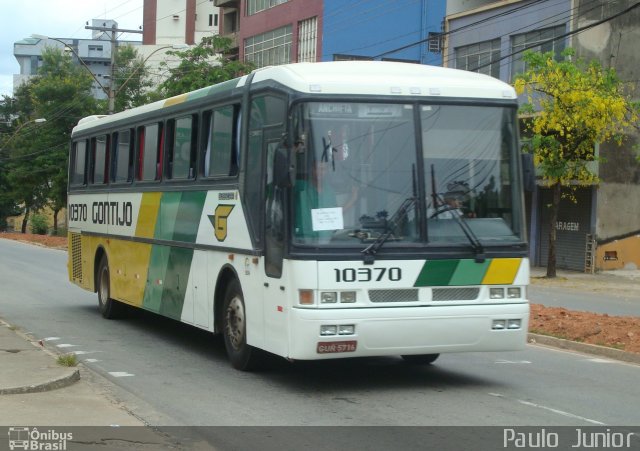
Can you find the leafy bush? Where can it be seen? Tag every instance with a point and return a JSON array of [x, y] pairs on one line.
[[39, 225]]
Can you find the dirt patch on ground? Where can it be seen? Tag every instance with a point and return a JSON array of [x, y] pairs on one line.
[[57, 242], [621, 332]]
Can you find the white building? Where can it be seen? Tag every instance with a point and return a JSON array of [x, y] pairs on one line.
[[95, 54]]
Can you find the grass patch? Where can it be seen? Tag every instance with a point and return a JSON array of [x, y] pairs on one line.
[[67, 360]]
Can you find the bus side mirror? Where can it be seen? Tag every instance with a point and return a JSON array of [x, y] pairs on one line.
[[528, 172], [284, 168]]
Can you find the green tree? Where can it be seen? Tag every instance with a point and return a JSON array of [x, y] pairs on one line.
[[573, 105], [201, 66], [37, 166], [8, 206], [131, 79]]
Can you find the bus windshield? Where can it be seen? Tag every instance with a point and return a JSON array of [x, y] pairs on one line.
[[362, 179]]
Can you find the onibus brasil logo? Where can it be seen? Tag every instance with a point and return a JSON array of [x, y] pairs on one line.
[[33, 439]]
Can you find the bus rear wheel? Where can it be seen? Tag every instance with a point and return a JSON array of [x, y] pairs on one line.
[[234, 317], [109, 308], [420, 359]]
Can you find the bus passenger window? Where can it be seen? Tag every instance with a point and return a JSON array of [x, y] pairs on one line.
[[150, 153], [220, 157], [79, 162], [182, 142], [122, 169], [99, 160]]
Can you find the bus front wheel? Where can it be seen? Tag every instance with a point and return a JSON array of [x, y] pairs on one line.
[[420, 359], [241, 355], [109, 308]]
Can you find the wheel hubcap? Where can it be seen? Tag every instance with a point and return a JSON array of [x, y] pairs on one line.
[[235, 323], [104, 286]]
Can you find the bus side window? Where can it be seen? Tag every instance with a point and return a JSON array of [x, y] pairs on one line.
[[220, 157], [150, 152], [181, 134], [79, 163], [99, 158], [122, 159]]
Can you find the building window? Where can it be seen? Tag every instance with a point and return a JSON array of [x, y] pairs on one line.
[[435, 42], [255, 6], [270, 48], [538, 41], [340, 57], [307, 40], [482, 57]]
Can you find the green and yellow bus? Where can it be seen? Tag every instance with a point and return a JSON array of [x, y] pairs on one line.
[[312, 211]]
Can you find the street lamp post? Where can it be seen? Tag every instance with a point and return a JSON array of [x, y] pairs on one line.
[[111, 91]]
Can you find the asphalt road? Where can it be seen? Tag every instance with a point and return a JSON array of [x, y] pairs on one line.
[[173, 374], [610, 302]]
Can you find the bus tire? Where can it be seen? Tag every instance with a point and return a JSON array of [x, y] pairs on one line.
[[234, 319], [420, 359], [109, 308]]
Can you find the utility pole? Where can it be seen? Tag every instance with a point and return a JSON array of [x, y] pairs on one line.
[[114, 45]]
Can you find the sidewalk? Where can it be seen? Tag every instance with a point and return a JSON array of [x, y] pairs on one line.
[[624, 282], [36, 391]]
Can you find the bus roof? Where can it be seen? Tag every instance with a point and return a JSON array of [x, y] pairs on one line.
[[376, 78]]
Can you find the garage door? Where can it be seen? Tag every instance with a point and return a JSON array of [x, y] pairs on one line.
[[573, 225]]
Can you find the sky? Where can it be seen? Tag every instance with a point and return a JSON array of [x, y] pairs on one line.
[[20, 19]]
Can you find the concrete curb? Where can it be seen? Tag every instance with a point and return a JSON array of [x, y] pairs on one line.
[[67, 378], [53, 384], [602, 351]]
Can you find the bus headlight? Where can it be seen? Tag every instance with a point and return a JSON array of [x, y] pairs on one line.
[[513, 293], [328, 330], [346, 329], [496, 293], [348, 297], [514, 324], [499, 324], [328, 297]]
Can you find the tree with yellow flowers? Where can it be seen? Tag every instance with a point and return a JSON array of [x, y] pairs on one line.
[[571, 106]]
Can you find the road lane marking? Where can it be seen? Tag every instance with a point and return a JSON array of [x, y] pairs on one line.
[[51, 338], [551, 409], [517, 362], [91, 360], [120, 374], [66, 345]]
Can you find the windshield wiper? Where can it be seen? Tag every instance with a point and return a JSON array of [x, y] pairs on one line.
[[368, 253], [477, 246]]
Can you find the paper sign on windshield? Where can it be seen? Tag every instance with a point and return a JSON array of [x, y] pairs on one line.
[[327, 219]]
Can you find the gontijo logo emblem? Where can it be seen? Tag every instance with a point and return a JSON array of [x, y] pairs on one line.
[[219, 220], [32, 439]]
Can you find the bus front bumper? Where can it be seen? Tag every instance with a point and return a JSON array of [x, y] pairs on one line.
[[405, 331]]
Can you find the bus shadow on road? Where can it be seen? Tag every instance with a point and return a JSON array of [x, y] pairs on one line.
[[347, 374], [371, 373]]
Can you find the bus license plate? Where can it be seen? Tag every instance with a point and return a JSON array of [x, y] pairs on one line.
[[326, 347]]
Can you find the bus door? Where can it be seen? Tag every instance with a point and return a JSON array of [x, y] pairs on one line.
[[267, 119], [275, 313]]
